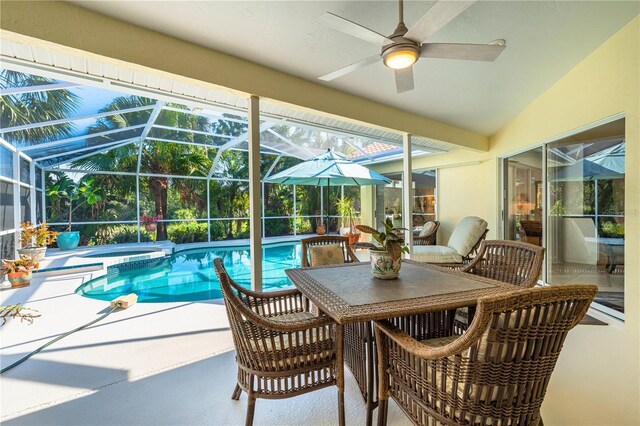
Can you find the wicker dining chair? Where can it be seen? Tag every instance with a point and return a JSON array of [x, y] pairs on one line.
[[324, 240], [427, 239], [282, 349], [512, 262], [495, 373]]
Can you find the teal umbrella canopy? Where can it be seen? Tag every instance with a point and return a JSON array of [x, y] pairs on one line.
[[329, 169]]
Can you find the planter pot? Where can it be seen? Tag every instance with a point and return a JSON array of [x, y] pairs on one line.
[[345, 230], [36, 253], [19, 279], [321, 230], [383, 266], [68, 240], [151, 227], [353, 238]]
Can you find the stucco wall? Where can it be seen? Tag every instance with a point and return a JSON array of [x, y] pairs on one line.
[[597, 380]]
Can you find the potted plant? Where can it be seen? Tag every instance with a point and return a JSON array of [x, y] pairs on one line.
[[35, 239], [344, 207], [18, 271], [320, 228], [150, 222], [386, 257], [70, 191]]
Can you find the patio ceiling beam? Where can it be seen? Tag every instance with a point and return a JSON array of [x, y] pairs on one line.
[[35, 89], [111, 41], [86, 148], [79, 138], [67, 120], [97, 151], [197, 132], [237, 141]]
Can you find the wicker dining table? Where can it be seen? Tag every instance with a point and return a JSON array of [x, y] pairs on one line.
[[352, 297]]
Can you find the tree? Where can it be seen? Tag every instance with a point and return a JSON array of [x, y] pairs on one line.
[[35, 107], [160, 159]]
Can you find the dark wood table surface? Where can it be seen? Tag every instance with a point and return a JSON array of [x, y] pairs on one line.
[[349, 293]]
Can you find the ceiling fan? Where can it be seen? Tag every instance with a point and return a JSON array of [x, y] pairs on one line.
[[404, 47]]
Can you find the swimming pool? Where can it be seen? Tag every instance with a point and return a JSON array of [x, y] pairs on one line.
[[189, 276]]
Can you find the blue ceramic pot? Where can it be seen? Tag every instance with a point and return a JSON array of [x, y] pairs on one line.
[[68, 240]]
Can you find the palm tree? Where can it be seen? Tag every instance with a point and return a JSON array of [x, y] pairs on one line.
[[157, 158], [35, 107]]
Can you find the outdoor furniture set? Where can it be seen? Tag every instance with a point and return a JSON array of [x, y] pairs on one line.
[[494, 365]]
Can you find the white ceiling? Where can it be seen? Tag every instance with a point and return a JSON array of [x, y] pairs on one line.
[[544, 41]]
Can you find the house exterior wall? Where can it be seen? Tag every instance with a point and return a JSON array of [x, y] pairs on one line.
[[597, 380]]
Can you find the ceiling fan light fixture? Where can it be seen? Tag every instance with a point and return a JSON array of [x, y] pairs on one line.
[[400, 59]]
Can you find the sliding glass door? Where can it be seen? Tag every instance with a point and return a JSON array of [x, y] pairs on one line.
[[579, 216]]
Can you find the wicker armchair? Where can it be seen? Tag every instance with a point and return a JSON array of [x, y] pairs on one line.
[[495, 373], [349, 256], [429, 239], [283, 350]]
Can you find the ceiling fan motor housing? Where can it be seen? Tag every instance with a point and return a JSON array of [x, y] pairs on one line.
[[400, 44]]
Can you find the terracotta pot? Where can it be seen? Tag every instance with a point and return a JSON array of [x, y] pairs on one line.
[[321, 229], [150, 227], [353, 238], [383, 266], [19, 279]]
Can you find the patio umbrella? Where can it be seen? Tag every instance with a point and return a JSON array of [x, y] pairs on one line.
[[328, 169]]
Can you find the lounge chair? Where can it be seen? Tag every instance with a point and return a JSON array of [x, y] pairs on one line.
[[463, 244]]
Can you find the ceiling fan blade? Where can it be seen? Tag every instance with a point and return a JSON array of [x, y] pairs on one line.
[[350, 68], [404, 79], [348, 27], [469, 52], [437, 17]]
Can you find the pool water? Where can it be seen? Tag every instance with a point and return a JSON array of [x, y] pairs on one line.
[[189, 275]]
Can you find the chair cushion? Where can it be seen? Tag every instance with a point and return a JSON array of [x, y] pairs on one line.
[[467, 234], [427, 229], [435, 254], [329, 254], [288, 341]]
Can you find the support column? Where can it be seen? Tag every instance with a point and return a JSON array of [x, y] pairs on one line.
[[255, 199], [407, 198], [32, 191]]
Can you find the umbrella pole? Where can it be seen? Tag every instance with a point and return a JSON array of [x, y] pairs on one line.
[[327, 202]]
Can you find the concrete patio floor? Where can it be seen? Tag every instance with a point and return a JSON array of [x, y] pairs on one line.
[[154, 363], [173, 364]]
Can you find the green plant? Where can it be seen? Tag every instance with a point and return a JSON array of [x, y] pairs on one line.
[[388, 240], [36, 236], [187, 232], [558, 208], [347, 212], [67, 189], [613, 229], [24, 264]]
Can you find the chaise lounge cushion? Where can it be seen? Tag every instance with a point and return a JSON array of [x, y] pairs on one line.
[[467, 234], [435, 254]]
